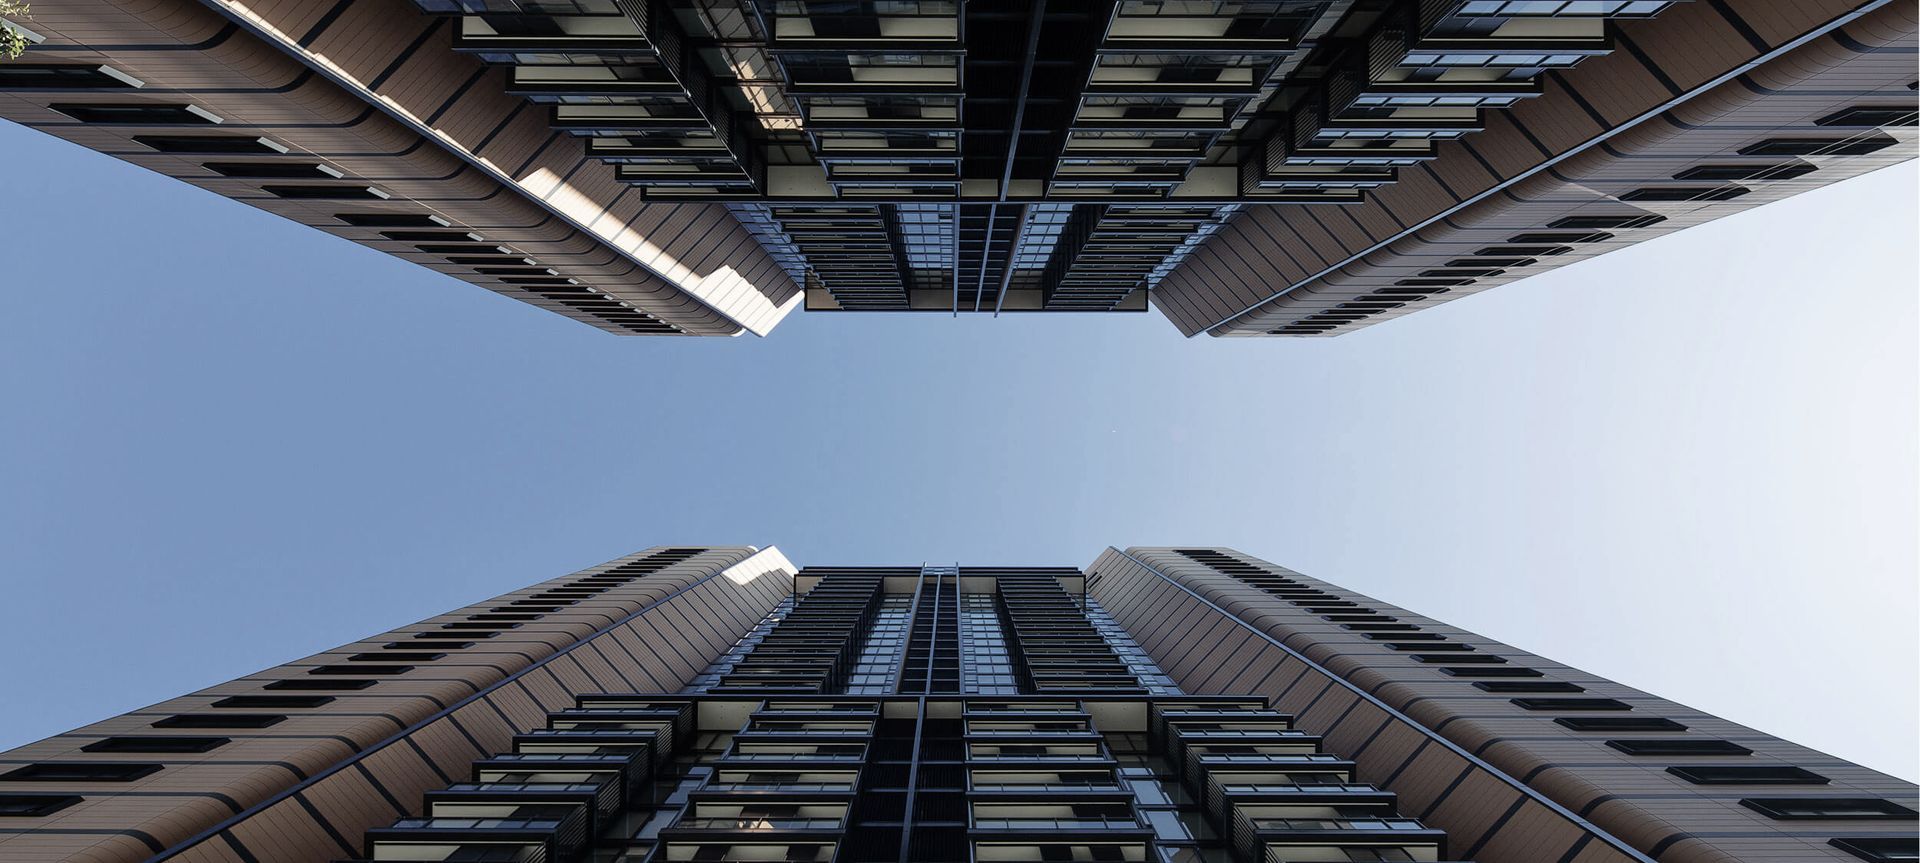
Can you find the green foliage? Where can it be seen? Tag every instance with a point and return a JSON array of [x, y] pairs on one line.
[[13, 43]]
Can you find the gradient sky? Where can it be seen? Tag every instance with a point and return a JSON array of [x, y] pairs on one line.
[[228, 441]]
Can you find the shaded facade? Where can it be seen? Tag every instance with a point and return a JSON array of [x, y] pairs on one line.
[[1257, 167], [721, 704]]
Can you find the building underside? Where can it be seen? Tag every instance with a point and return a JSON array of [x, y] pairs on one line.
[[1249, 167]]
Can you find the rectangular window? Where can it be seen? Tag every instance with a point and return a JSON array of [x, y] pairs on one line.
[[1619, 723], [80, 771], [410, 656], [1444, 658], [449, 636], [1527, 686], [392, 220], [64, 76], [1845, 808], [409, 645], [1683, 194], [360, 669], [1571, 704], [35, 805], [1715, 775], [1543, 237], [1640, 220], [1877, 849], [221, 720], [1501, 263], [326, 193], [137, 115], [1781, 171], [320, 685], [1432, 647], [1513, 671], [273, 170], [1475, 273], [433, 236], [209, 144], [282, 702], [155, 744], [1865, 116], [471, 260], [1680, 746], [1379, 627], [1525, 252], [1851, 146], [1403, 636], [496, 627], [1433, 283]]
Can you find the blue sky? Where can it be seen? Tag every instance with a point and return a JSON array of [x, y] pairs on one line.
[[227, 441]]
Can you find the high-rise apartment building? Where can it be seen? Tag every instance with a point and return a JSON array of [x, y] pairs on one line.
[[1187, 705], [1249, 167]]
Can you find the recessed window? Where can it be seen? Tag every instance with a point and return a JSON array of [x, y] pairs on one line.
[[451, 636], [80, 771], [1679, 746], [281, 702], [1570, 704], [64, 76], [1782, 171], [1430, 646], [1714, 775], [1542, 237], [1856, 145], [273, 170], [1865, 116], [1379, 627], [1474, 273], [392, 220], [1876, 849], [221, 720], [1512, 671], [1502, 263], [411, 656], [1607, 222], [360, 669], [326, 193], [322, 685], [433, 236], [515, 271], [1359, 618], [35, 805], [155, 744], [1527, 686], [1434, 283], [137, 115], [489, 626], [1619, 723], [1844, 808], [471, 260], [1403, 636], [1522, 253], [207, 145], [414, 645], [1444, 658], [1683, 194]]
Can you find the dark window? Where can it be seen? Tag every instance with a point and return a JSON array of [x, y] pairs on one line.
[[1432, 646], [1619, 723], [1514, 671], [433, 236], [453, 635], [1607, 222], [491, 626], [392, 220], [1502, 263], [1524, 252], [1444, 658], [136, 115], [408, 645], [1360, 618], [514, 271], [1571, 704], [465, 249], [1783, 171], [80, 771], [63, 76], [326, 193], [1866, 116], [1433, 283], [470, 260], [155, 744], [1583, 237], [1403, 636], [360, 669], [412, 656], [322, 685], [1685, 193], [272, 170], [35, 805], [1711, 775], [1848, 808], [1379, 627], [1880, 849], [221, 720], [282, 702], [1475, 273], [1528, 686], [208, 144], [1681, 746], [1853, 146]]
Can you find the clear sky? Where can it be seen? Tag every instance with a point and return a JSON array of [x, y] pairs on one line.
[[228, 441]]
